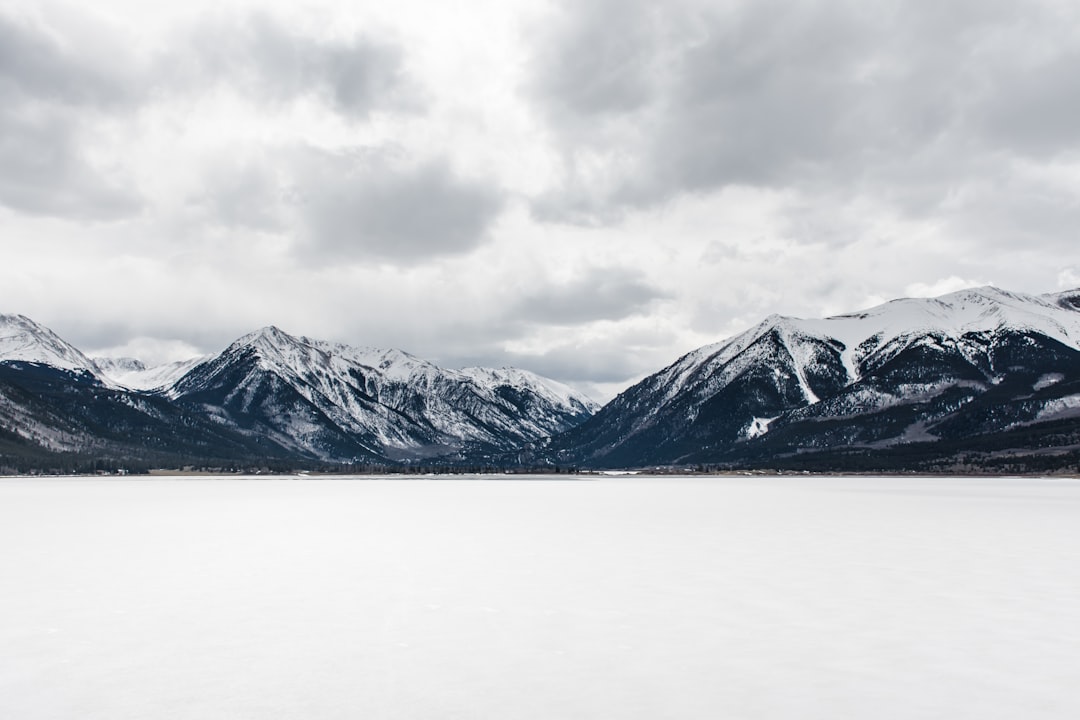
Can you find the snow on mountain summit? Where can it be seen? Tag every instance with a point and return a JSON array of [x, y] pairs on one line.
[[134, 374], [387, 401], [1068, 299], [23, 340], [112, 365], [553, 390], [927, 357], [891, 326]]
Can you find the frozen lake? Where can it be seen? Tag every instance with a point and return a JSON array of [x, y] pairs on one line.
[[614, 598]]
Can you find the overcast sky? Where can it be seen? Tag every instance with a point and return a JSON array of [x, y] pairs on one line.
[[585, 189]]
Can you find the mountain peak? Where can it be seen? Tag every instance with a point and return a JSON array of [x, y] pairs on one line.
[[913, 370], [984, 294], [23, 340], [272, 332], [134, 374], [1068, 299], [270, 336], [110, 365]]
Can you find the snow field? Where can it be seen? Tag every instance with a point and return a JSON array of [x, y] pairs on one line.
[[627, 597]]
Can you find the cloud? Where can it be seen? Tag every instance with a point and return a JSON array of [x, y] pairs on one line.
[[260, 55], [243, 190], [371, 205], [34, 64], [941, 287], [70, 91], [593, 59], [50, 96], [600, 294], [1035, 108], [581, 364], [45, 171], [905, 102], [599, 359], [588, 191], [151, 351]]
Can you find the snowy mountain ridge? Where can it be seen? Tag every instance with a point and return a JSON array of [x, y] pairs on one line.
[[134, 374], [975, 310], [307, 398], [386, 399], [923, 359], [23, 340], [971, 378]]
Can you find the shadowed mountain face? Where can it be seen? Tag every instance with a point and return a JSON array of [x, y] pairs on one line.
[[268, 396], [65, 420], [337, 401], [906, 375]]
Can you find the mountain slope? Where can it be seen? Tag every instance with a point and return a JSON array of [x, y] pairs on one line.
[[133, 374], [268, 396], [952, 368], [338, 401], [62, 420], [23, 340]]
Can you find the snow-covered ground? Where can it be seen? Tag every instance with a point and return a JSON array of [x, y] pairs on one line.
[[627, 597]]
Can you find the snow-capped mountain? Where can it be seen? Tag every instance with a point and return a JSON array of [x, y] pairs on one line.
[[268, 397], [23, 340], [134, 374], [981, 378], [59, 414], [962, 365], [334, 400]]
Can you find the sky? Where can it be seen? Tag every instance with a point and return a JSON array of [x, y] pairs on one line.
[[585, 189]]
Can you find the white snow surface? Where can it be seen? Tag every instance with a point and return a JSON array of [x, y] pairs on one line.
[[554, 391], [633, 598], [23, 340], [134, 375], [758, 427]]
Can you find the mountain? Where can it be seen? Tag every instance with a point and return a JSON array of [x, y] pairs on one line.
[[63, 420], [982, 379], [268, 398], [336, 401], [134, 374], [23, 340], [976, 371]]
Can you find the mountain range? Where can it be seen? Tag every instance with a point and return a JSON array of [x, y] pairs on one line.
[[978, 380], [268, 397]]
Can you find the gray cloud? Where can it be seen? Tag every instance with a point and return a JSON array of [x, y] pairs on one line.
[[262, 56], [371, 205], [603, 294], [904, 102], [43, 169], [595, 59], [593, 364], [243, 193], [57, 88], [1033, 107], [34, 65], [47, 94]]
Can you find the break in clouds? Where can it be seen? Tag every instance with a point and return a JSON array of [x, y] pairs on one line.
[[588, 189]]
